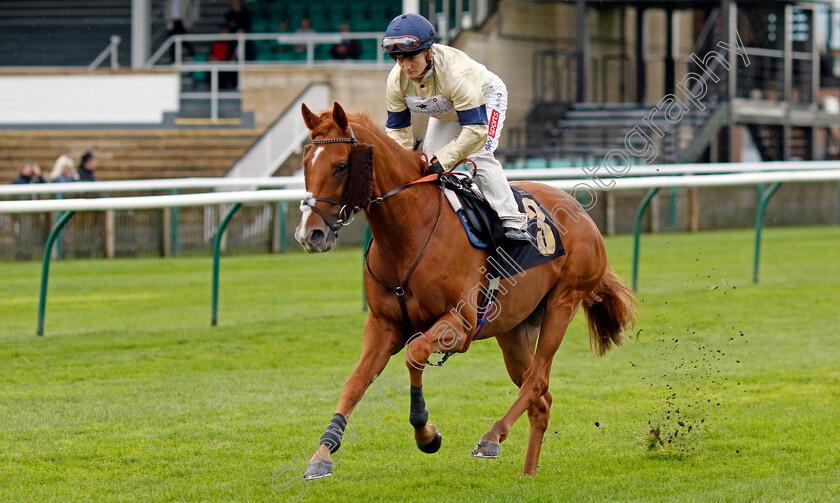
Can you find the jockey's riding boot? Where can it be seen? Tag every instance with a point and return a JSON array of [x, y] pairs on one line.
[[515, 234]]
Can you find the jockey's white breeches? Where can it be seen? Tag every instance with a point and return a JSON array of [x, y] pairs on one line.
[[489, 175]]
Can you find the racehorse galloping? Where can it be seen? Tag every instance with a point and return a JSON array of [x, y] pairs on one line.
[[352, 164]]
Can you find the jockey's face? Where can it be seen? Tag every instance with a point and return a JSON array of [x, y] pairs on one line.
[[415, 65]]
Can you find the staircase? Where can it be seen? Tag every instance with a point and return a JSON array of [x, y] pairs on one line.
[[63, 33], [769, 140], [559, 127]]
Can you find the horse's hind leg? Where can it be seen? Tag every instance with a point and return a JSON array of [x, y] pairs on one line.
[[561, 307], [518, 350]]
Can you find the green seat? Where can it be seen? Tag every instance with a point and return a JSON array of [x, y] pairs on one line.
[[370, 49], [200, 76], [263, 26]]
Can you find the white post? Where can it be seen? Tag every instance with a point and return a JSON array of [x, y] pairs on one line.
[[115, 47], [179, 50], [141, 32], [411, 6], [214, 93]]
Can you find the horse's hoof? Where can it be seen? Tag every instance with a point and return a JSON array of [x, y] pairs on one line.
[[486, 449], [433, 446], [318, 470]]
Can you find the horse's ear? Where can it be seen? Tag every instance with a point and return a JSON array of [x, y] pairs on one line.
[[339, 116], [310, 119]]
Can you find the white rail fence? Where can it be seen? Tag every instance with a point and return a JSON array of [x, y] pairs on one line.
[[664, 170], [237, 198]]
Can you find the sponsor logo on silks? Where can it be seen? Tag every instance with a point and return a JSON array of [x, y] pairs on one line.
[[494, 123], [498, 100]]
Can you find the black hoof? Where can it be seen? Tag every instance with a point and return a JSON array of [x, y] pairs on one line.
[[318, 470], [433, 446], [486, 449]]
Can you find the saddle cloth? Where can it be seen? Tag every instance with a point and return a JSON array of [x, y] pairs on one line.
[[484, 228]]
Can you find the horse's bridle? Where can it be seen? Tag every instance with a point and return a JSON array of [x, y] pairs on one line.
[[346, 213]]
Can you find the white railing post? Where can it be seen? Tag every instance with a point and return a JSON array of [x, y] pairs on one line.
[[310, 53], [214, 93], [179, 46], [115, 45], [110, 50]]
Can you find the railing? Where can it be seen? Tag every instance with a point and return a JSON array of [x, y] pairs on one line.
[[555, 76], [112, 51], [310, 40], [282, 138], [175, 44], [451, 17], [70, 206]]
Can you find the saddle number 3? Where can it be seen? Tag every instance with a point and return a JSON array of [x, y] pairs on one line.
[[545, 237]]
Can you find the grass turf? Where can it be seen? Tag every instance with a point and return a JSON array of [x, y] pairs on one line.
[[132, 396]]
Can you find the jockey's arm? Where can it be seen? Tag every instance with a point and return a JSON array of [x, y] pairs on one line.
[[469, 141], [467, 95], [398, 126], [397, 130]]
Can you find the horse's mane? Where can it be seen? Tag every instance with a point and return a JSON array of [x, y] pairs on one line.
[[363, 119]]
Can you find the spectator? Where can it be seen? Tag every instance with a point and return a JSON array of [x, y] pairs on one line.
[[180, 16], [63, 170], [30, 172], [87, 168], [305, 27], [224, 50], [221, 50], [238, 18], [282, 27], [348, 48]]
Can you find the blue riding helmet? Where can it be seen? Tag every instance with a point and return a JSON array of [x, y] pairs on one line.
[[408, 34]]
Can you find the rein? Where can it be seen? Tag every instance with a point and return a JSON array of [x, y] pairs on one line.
[[399, 290], [346, 214]]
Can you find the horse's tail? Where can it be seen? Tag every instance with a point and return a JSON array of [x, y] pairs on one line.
[[610, 309]]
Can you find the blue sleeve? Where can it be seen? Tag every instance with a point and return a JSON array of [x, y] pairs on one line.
[[477, 115], [398, 120]]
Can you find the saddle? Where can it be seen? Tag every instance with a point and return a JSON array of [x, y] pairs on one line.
[[484, 229]]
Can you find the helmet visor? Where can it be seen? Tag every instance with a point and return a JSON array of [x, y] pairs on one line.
[[403, 43]]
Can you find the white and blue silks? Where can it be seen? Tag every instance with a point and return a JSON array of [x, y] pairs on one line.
[[466, 105]]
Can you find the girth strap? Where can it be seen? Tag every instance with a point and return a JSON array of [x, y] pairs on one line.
[[400, 290]]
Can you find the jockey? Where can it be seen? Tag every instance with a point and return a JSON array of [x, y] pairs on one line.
[[466, 104]]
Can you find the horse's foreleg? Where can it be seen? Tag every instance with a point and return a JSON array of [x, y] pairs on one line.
[[560, 309], [380, 342], [447, 335]]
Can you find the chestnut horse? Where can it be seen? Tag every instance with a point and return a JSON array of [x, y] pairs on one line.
[[352, 165]]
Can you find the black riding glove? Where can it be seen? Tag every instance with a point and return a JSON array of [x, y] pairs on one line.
[[435, 167]]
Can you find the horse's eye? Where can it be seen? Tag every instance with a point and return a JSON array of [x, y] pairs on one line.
[[340, 168]]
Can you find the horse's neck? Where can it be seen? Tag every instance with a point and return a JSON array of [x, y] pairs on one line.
[[401, 224]]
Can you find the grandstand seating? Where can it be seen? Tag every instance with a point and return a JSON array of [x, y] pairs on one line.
[[326, 16], [130, 154], [61, 33]]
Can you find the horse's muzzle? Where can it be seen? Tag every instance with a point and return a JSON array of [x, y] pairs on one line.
[[317, 240]]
